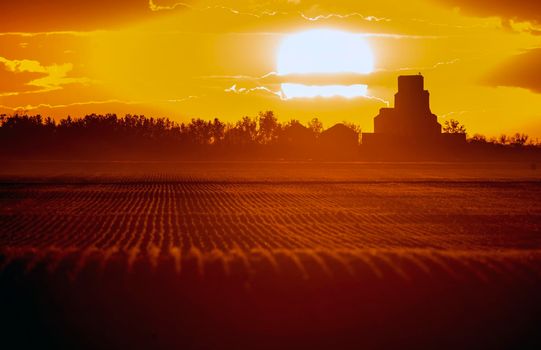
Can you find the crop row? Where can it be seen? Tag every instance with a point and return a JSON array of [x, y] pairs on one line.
[[405, 264], [266, 216]]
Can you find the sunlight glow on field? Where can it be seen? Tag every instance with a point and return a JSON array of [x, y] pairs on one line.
[[324, 51], [311, 91]]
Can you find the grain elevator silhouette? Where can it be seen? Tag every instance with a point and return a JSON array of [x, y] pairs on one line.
[[410, 128]]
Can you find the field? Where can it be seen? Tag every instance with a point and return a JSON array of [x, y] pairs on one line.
[[270, 255]]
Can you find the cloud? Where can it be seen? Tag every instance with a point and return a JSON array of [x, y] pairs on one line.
[[522, 70], [381, 77], [86, 17], [154, 6], [51, 33], [30, 107], [514, 10], [59, 15], [244, 90], [342, 16], [273, 78], [113, 101], [293, 8], [32, 76], [516, 16], [271, 83]]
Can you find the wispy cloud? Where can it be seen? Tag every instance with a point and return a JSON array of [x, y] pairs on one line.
[[53, 33], [272, 81], [343, 16], [183, 99], [32, 107], [434, 66], [375, 98], [153, 6], [379, 77], [243, 90], [458, 113], [156, 8], [54, 76]]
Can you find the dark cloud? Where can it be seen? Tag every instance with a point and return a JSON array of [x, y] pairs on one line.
[[67, 15], [521, 10], [522, 71]]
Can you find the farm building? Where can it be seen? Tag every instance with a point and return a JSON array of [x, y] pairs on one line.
[[410, 125]]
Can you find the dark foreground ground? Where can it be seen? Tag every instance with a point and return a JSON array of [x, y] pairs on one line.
[[270, 255]]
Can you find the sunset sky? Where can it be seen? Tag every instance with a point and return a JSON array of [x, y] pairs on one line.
[[480, 58]]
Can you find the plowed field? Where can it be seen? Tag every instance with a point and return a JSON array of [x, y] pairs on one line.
[[271, 255]]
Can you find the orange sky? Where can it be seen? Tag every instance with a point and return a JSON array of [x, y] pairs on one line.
[[210, 59]]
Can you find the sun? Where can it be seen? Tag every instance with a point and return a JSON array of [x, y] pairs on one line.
[[327, 52], [324, 51]]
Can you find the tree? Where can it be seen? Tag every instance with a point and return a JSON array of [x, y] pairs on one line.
[[478, 138], [316, 126], [66, 122], [217, 131], [453, 126], [493, 140], [243, 132], [199, 131], [269, 128], [519, 139]]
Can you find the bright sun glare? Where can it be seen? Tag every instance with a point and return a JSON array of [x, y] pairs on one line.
[[324, 52]]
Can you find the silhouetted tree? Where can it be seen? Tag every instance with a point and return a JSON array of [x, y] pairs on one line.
[[316, 126], [355, 128], [200, 131], [478, 138], [269, 128], [519, 139], [217, 131], [243, 132], [139, 137], [453, 126]]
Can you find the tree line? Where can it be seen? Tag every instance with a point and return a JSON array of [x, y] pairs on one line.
[[138, 137], [110, 137], [518, 139]]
